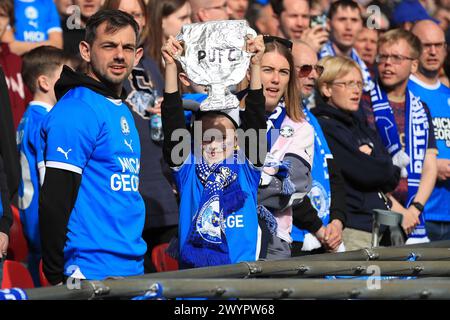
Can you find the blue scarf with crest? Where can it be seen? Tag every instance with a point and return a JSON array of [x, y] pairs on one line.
[[206, 244], [320, 193], [416, 140]]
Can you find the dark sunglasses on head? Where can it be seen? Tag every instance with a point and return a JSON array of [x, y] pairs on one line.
[[306, 69], [285, 42]]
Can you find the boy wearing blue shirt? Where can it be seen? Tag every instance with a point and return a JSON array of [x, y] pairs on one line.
[[41, 69], [91, 214], [218, 186]]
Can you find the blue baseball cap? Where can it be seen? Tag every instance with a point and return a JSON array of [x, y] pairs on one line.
[[410, 11]]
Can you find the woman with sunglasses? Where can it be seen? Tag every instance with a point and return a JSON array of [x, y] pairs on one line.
[[286, 177], [365, 165]]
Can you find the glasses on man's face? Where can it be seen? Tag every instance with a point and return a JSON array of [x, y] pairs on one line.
[[350, 84], [436, 45], [306, 69], [285, 42], [395, 58]]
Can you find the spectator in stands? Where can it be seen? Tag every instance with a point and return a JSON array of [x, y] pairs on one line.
[[91, 215], [36, 23], [366, 167], [166, 19], [219, 182], [327, 192], [209, 10], [262, 18], [424, 83], [294, 17], [411, 144], [345, 23], [237, 9], [19, 95], [286, 177], [41, 69], [366, 46], [74, 26]]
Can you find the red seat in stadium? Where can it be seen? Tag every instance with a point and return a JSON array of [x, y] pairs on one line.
[[18, 248], [161, 260], [16, 275], [42, 278]]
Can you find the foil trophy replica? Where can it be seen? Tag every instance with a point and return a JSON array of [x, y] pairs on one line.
[[215, 56]]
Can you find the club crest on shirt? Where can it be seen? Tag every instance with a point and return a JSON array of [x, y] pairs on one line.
[[31, 13], [209, 223], [125, 126], [319, 199], [287, 131]]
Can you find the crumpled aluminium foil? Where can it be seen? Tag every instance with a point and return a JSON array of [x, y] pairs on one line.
[[215, 56]]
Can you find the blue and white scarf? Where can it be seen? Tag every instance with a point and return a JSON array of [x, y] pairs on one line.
[[206, 244], [320, 193], [416, 140], [328, 50], [274, 122]]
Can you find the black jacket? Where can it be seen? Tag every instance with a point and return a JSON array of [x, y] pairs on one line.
[[364, 175], [8, 147], [6, 218]]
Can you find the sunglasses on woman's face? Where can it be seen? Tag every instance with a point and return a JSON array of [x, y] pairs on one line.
[[285, 42], [306, 69]]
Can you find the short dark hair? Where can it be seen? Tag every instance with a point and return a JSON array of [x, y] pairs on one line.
[[343, 4], [115, 20], [278, 6], [41, 61], [8, 7]]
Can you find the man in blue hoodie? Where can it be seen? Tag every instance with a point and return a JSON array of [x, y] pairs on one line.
[[91, 214]]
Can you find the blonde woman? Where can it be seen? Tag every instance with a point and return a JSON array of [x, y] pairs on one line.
[[366, 166]]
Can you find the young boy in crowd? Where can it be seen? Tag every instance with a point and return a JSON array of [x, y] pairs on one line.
[[218, 187], [41, 69]]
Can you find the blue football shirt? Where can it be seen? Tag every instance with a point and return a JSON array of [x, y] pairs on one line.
[[32, 163], [437, 97], [95, 137], [241, 227], [35, 19]]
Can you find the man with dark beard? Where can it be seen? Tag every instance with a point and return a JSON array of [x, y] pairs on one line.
[[91, 214]]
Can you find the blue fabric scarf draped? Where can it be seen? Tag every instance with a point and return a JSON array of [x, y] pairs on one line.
[[320, 193], [206, 244], [328, 50], [416, 139], [274, 122]]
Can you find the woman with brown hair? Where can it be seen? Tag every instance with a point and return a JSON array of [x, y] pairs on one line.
[[286, 177], [166, 19]]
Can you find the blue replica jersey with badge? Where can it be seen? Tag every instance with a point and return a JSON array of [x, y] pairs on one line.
[[437, 97], [241, 227], [95, 137], [35, 19], [31, 162]]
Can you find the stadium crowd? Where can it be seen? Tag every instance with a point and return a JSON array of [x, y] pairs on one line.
[[352, 98]]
